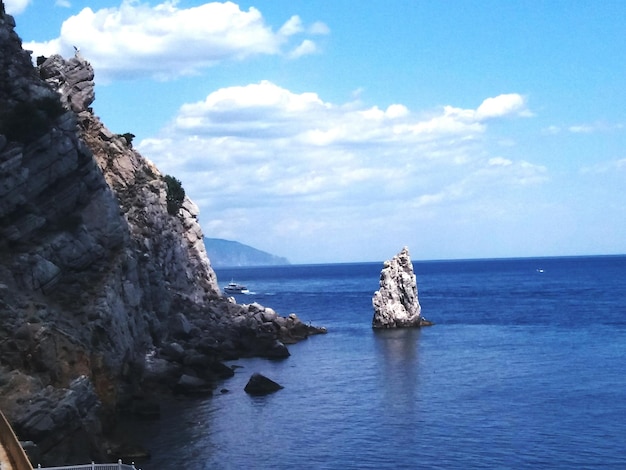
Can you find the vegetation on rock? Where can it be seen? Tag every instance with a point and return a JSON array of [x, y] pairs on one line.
[[129, 138], [175, 194]]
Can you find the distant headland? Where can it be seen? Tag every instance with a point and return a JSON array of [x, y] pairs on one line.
[[227, 253]]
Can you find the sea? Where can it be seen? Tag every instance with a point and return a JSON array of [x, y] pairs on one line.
[[525, 367]]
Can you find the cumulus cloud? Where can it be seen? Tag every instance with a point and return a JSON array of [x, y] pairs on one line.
[[165, 41], [292, 26], [258, 153], [15, 7], [502, 105], [307, 47]]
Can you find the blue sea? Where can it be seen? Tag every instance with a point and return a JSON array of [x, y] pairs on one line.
[[524, 368]]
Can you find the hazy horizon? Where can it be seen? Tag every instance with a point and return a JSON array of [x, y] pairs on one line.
[[443, 260]]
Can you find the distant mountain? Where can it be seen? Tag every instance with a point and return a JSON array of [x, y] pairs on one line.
[[227, 253]]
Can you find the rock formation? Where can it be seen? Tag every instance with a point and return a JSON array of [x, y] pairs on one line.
[[396, 304], [261, 385], [106, 293]]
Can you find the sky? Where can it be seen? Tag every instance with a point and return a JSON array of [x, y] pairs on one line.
[[342, 131]]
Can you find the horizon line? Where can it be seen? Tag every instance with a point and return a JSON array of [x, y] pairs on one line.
[[438, 260]]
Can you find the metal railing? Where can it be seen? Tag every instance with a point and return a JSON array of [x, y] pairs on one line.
[[12, 447], [94, 466]]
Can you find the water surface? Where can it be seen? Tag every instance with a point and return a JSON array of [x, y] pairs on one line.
[[523, 369]]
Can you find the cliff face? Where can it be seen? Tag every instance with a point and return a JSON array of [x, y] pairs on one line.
[[104, 292], [84, 226], [62, 236]]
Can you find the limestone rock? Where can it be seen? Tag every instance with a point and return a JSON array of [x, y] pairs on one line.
[[261, 332], [396, 303], [73, 80]]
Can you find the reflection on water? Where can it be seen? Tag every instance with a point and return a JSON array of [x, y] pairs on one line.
[[397, 357], [398, 368]]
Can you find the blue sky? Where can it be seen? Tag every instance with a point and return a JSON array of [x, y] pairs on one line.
[[341, 131]]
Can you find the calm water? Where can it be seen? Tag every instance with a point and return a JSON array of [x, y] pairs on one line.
[[524, 369]]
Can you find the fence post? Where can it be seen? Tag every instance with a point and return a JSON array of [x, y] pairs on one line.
[[93, 465]]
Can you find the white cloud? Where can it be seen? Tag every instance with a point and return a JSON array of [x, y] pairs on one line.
[[499, 161], [165, 41], [292, 26], [520, 173], [260, 157], [15, 7], [63, 3], [307, 47], [485, 182], [502, 105]]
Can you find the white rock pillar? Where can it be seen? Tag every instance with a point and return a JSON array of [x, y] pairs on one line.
[[396, 304]]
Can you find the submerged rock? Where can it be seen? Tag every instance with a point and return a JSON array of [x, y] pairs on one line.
[[261, 385], [396, 304], [191, 385]]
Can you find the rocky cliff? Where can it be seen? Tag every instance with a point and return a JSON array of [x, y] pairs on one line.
[[106, 291], [396, 303]]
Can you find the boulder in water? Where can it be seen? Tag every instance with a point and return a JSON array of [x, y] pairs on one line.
[[261, 385]]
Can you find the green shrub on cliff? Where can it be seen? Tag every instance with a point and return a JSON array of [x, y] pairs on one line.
[[128, 137], [175, 194]]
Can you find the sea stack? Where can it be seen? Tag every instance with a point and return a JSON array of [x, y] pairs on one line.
[[396, 304]]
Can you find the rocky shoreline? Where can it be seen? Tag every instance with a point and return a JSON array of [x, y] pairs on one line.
[[108, 301]]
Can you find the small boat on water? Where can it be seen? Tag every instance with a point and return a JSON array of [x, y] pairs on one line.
[[234, 288]]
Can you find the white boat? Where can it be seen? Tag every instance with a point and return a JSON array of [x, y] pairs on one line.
[[234, 288]]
